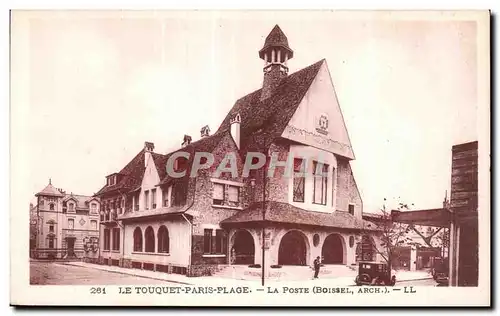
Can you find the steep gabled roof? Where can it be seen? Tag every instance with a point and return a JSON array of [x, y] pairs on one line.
[[131, 175], [206, 144], [276, 38], [270, 116], [82, 201]]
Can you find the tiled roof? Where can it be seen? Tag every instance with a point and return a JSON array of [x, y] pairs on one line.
[[155, 212], [133, 172], [278, 212], [131, 176], [270, 116], [50, 190], [81, 200], [205, 144]]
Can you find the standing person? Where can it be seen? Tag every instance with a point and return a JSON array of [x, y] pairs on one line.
[[317, 264]]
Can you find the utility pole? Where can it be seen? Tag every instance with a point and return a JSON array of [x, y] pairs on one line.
[[264, 220]]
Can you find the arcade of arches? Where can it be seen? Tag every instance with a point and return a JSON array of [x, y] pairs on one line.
[[299, 247]]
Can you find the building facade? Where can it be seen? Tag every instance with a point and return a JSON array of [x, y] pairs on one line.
[[459, 217], [196, 225], [67, 225]]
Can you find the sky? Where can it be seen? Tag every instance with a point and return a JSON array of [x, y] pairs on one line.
[[101, 84]]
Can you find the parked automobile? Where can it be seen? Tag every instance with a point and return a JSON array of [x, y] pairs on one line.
[[373, 273], [440, 270]]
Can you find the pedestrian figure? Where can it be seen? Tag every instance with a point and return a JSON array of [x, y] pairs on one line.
[[317, 264]]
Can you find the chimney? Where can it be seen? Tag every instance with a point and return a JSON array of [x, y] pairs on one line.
[[235, 129], [205, 131], [148, 149], [186, 140], [275, 54]]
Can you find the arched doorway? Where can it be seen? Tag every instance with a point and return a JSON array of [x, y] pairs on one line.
[[243, 251], [333, 250], [293, 249]]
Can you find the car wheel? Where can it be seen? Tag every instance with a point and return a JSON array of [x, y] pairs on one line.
[[393, 281], [365, 278], [357, 281]]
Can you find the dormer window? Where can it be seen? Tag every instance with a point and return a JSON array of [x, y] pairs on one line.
[[71, 207], [111, 180], [93, 207]]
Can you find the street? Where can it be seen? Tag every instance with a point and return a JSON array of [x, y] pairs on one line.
[[59, 273], [426, 282], [52, 273]]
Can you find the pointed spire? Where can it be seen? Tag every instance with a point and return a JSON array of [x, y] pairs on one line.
[[276, 38], [50, 190]]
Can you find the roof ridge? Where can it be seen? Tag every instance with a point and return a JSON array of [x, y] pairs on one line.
[[284, 79]]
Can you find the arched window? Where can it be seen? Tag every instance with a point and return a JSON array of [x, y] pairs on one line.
[[137, 239], [51, 206], [163, 240], [150, 239]]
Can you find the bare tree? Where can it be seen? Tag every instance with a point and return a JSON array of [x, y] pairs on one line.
[[391, 234]]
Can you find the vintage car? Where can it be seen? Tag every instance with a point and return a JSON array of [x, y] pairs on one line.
[[440, 271], [373, 273]]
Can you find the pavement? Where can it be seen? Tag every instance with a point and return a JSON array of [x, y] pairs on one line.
[[401, 276]]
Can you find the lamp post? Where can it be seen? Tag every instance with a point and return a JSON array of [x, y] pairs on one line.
[[252, 184]]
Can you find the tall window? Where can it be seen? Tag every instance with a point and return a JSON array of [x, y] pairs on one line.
[[71, 207], [93, 208], [146, 200], [51, 243], [298, 180], [116, 239], [233, 193], [106, 239], [51, 228], [138, 239], [215, 245], [166, 197], [93, 224], [163, 240], [51, 206], [218, 194], [220, 241], [207, 241], [149, 236], [153, 198], [320, 183], [351, 209], [71, 223]]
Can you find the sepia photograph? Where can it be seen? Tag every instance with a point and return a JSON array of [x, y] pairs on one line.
[[250, 158]]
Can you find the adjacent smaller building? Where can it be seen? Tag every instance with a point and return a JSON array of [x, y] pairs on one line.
[[66, 225]]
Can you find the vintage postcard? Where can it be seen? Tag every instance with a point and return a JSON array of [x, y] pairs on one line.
[[250, 158]]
